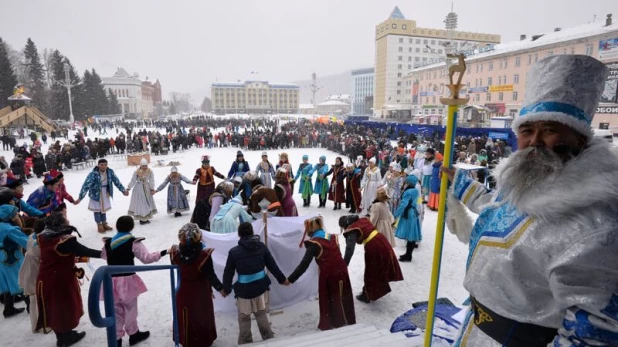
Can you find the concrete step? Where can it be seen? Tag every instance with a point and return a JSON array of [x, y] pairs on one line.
[[353, 335]]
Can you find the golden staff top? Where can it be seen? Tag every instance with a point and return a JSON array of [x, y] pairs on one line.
[[460, 67]]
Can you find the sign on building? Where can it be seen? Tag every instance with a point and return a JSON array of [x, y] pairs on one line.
[[607, 110], [478, 90], [610, 94], [501, 88], [608, 49]]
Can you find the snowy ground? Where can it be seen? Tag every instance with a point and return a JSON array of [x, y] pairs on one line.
[[155, 305]]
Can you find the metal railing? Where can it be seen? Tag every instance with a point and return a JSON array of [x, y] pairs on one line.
[[103, 275]]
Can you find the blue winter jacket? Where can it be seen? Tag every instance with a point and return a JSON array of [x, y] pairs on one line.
[[12, 239], [237, 170], [92, 185], [43, 199], [25, 207]]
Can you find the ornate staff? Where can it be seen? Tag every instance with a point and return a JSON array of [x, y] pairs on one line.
[[453, 105]]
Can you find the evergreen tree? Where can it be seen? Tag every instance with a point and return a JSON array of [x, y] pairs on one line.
[[8, 81], [89, 94], [59, 96], [172, 108], [114, 107], [101, 103], [35, 77], [206, 105]]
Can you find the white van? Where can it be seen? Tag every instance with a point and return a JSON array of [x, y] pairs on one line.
[[604, 133]]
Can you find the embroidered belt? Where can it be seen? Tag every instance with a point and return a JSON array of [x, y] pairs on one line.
[[508, 332], [370, 237], [251, 278]]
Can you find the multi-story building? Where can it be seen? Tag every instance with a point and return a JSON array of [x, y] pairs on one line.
[[136, 98], [496, 76], [255, 97], [362, 91], [400, 44]]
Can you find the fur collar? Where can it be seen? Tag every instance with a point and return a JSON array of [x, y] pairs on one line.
[[587, 181]]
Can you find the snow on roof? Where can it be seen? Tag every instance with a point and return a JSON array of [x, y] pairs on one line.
[[121, 72], [305, 106], [242, 84], [568, 34], [333, 103]]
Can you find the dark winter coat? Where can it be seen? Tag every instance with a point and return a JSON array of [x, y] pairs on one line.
[[250, 257]]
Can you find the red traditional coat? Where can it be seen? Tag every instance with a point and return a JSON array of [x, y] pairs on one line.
[[337, 188], [264, 198], [336, 300], [381, 264], [58, 294], [195, 310]]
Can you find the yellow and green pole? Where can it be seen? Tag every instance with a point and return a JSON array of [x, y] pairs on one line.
[[453, 105]]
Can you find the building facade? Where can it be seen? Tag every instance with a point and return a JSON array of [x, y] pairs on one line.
[[496, 76], [137, 98], [400, 44], [362, 90], [335, 105], [255, 97]]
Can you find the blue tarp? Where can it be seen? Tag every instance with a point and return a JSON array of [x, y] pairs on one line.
[[404, 323], [427, 130]]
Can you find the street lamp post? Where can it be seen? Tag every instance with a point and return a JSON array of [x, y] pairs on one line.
[[68, 85]]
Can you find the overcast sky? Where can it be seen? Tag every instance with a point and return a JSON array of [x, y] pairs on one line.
[[188, 45]]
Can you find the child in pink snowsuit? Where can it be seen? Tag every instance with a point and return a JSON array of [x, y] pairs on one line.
[[122, 249]]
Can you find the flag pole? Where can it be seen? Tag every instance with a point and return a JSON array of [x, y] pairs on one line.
[[453, 103]]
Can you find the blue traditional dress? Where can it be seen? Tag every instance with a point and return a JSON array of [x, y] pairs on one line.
[[407, 215], [321, 182], [176, 198], [305, 171], [12, 240]]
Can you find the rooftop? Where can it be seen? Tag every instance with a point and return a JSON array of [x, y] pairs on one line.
[[243, 84], [534, 41], [362, 71], [396, 14]]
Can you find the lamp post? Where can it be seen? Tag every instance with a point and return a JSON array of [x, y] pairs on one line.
[[68, 85]]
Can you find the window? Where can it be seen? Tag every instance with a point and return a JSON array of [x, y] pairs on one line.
[[529, 59], [477, 97], [439, 51], [404, 27], [433, 42], [477, 67], [417, 59], [488, 97], [589, 49], [499, 80], [409, 58], [399, 74], [409, 66], [564, 51], [395, 27], [500, 96], [418, 41], [400, 58], [491, 66], [506, 63], [418, 50], [398, 84], [572, 50], [410, 50], [515, 95], [425, 50], [398, 91], [517, 62], [410, 40], [481, 66], [424, 59], [425, 41], [515, 79], [400, 49], [536, 57], [435, 74], [489, 81]]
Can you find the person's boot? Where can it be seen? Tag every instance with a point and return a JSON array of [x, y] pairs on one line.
[[362, 297], [100, 228], [70, 338], [119, 343], [138, 337], [27, 301], [408, 256], [9, 308], [107, 227], [335, 208], [177, 214]]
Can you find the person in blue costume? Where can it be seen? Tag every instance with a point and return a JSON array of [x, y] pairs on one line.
[[239, 166], [407, 216], [12, 241], [44, 197], [321, 182], [17, 186], [305, 171]]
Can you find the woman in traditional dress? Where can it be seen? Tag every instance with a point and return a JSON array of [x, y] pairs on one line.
[[381, 216], [336, 192], [408, 221], [334, 289], [321, 181], [285, 193], [177, 201], [353, 196], [369, 185], [434, 189], [266, 171], [194, 309], [427, 171], [226, 220], [284, 160], [58, 291], [381, 266], [305, 171], [222, 194], [142, 205], [205, 175]]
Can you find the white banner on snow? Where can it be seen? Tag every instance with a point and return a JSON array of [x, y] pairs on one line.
[[284, 236]]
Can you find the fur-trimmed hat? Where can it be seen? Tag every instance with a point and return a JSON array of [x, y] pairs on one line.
[[189, 233], [564, 89], [346, 221], [311, 225]]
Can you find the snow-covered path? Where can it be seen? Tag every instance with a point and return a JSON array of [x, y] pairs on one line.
[[155, 305]]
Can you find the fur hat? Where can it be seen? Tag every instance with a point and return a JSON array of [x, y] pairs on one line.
[[283, 155], [189, 233], [250, 176], [311, 225], [412, 180], [305, 157], [322, 158], [264, 154], [238, 179], [49, 179], [282, 173], [143, 162], [174, 169], [346, 221], [564, 89], [205, 160], [125, 224], [382, 194], [239, 154], [372, 160], [102, 161], [6, 195]]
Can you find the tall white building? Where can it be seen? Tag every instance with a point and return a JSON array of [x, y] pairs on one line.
[[362, 91], [400, 45]]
